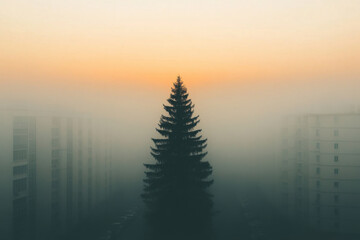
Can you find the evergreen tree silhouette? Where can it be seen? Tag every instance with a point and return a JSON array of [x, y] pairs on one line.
[[175, 187]]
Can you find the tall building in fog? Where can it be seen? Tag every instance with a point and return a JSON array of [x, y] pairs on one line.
[[319, 167], [54, 169]]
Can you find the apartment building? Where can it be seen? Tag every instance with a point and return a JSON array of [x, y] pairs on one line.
[[320, 170], [52, 173]]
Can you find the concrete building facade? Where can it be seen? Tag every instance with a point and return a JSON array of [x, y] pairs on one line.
[[52, 172], [320, 170]]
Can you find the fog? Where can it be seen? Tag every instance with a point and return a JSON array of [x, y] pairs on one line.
[[241, 120]]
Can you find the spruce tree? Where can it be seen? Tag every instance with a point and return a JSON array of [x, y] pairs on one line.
[[176, 185]]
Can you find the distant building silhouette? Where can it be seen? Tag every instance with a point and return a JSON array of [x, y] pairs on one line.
[[319, 167], [54, 169]]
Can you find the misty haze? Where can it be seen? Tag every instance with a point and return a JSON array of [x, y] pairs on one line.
[[179, 120]]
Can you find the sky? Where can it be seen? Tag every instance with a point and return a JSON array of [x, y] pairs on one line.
[[138, 42]]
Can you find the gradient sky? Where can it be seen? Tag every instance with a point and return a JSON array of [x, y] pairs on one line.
[[123, 41]]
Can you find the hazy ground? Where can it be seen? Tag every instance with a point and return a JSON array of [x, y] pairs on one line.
[[242, 211]]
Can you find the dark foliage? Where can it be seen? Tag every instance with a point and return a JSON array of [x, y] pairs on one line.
[[175, 187]]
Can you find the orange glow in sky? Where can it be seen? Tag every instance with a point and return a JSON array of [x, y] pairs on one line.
[[112, 41]]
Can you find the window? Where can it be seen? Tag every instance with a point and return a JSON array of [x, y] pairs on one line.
[[19, 155], [318, 183], [317, 158], [318, 145], [336, 146], [317, 170], [19, 207], [336, 211], [336, 158], [19, 186], [19, 170], [336, 198], [336, 184], [20, 141], [336, 171], [318, 196], [317, 132], [336, 133]]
